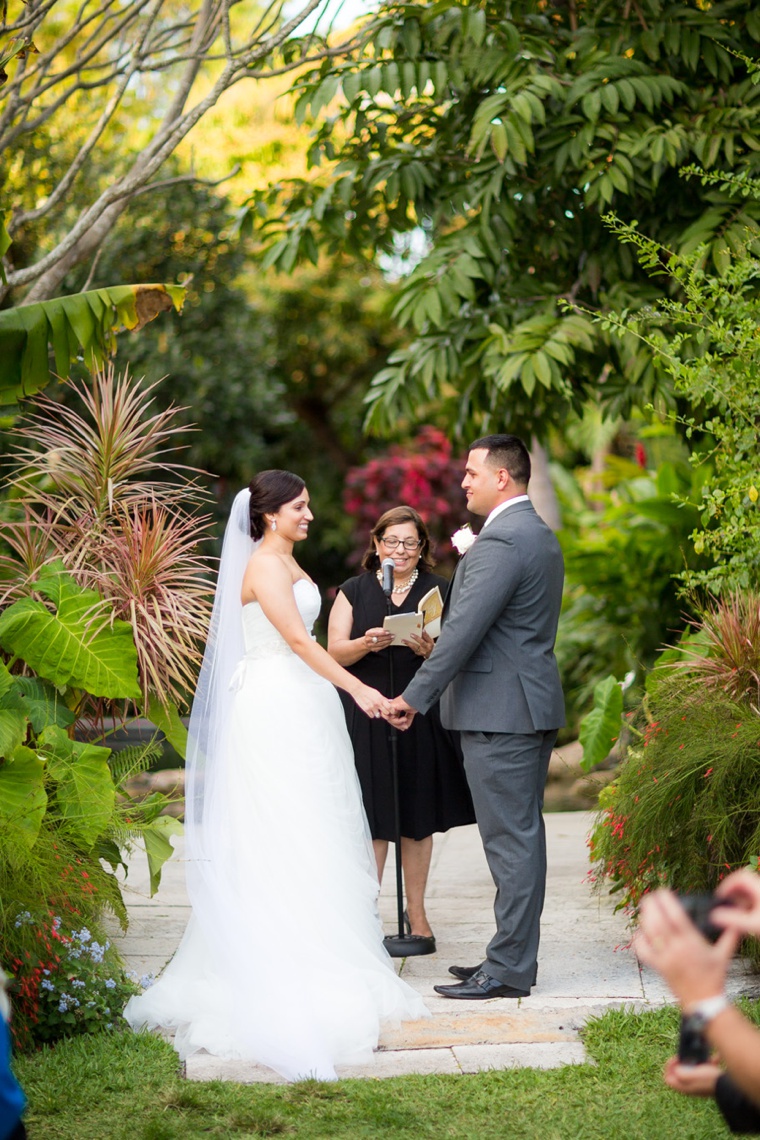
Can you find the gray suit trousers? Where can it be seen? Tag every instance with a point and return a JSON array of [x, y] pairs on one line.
[[507, 772]]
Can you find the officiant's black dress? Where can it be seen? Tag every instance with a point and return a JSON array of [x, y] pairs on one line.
[[433, 791]]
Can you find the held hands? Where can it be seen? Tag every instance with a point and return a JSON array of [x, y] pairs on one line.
[[397, 712], [371, 702], [401, 714]]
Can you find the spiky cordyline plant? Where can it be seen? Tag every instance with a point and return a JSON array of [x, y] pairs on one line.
[[728, 656], [94, 461], [152, 572], [82, 483]]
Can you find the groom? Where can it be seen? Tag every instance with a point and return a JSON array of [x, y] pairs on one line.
[[494, 671]]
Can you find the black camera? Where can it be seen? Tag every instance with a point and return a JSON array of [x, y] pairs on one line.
[[693, 1049], [699, 908], [692, 1046]]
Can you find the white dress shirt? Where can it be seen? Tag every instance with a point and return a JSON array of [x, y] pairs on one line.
[[503, 506]]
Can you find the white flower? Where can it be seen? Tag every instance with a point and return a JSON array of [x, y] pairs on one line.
[[463, 539]]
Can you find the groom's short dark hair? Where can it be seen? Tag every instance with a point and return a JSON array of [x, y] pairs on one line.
[[509, 452]]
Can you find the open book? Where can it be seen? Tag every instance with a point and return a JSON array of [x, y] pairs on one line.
[[427, 617]]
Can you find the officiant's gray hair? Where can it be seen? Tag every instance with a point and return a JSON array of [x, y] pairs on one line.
[[393, 517], [509, 452]]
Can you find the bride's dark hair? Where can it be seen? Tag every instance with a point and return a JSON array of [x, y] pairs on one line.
[[269, 491]]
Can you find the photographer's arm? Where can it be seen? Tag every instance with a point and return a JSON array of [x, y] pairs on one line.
[[738, 1042]]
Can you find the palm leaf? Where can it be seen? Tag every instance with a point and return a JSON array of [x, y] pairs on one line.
[[86, 322]]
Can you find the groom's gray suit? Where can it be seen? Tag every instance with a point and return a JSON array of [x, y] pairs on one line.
[[494, 671]]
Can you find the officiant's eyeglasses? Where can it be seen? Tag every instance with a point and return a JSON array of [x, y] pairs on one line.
[[407, 543]]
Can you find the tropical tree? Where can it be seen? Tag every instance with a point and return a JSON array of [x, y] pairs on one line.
[[501, 134], [88, 69]]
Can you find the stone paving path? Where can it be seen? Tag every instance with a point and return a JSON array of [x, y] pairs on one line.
[[584, 965]]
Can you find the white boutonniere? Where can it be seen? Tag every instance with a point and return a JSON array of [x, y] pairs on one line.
[[463, 539]]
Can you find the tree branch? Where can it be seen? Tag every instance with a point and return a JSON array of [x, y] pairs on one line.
[[112, 46]]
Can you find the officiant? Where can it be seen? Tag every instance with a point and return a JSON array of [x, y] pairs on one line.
[[433, 790]]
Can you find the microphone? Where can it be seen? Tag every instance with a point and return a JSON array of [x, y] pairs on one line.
[[388, 568]]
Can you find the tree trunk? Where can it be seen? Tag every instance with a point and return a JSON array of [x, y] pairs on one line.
[[541, 490]]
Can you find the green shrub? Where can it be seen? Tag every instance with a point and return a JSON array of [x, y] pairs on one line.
[[66, 978], [623, 547], [685, 807], [71, 981]]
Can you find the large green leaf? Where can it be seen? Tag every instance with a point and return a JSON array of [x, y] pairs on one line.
[[85, 792], [22, 796], [169, 722], [43, 704], [72, 646], [13, 722], [13, 715], [601, 727], [157, 845], [86, 322]]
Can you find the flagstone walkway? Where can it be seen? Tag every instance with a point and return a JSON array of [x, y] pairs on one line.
[[585, 965]]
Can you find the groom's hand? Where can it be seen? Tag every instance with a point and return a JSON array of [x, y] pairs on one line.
[[401, 714]]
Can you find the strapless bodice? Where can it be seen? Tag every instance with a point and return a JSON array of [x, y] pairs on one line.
[[260, 636]]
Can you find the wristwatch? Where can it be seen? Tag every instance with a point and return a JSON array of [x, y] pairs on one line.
[[701, 1014]]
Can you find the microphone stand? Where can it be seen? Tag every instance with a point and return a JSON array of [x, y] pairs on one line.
[[401, 945]]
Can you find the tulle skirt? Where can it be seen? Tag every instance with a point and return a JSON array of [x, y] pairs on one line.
[[282, 962]]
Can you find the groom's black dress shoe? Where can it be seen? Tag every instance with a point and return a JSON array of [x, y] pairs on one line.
[[464, 973], [479, 987]]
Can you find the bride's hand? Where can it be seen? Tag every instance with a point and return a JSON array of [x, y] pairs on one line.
[[371, 702]]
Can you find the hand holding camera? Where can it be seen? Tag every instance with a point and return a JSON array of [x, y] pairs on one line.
[[693, 954]]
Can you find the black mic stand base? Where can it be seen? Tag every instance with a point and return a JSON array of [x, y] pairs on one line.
[[408, 945]]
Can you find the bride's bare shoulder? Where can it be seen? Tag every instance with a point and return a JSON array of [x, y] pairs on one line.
[[266, 570]]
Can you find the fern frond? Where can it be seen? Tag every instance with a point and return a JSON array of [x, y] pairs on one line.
[[133, 759]]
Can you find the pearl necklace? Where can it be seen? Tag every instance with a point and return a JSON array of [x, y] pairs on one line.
[[407, 585]]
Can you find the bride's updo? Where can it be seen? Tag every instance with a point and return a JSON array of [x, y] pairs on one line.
[[269, 491]]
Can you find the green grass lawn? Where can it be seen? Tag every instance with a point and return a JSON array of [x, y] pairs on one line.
[[127, 1087]]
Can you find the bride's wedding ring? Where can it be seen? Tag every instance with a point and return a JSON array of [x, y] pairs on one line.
[[374, 641]]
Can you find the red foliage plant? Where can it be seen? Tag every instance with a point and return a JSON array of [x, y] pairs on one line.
[[422, 475], [728, 657]]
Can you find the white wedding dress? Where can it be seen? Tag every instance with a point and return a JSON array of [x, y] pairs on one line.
[[282, 961]]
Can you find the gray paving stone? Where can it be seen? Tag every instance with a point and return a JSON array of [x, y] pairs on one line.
[[203, 1067], [478, 1058], [403, 1063]]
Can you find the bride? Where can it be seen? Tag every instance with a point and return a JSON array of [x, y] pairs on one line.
[[282, 961]]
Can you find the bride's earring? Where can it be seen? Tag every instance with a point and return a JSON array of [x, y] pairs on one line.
[[273, 524]]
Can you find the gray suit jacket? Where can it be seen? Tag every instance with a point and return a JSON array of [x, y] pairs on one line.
[[493, 666]]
